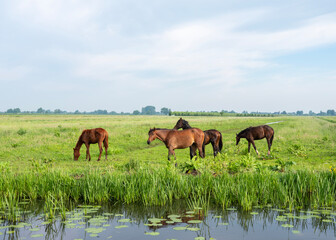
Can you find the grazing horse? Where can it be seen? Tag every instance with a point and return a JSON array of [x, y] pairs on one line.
[[256, 133], [174, 139], [88, 136], [210, 136]]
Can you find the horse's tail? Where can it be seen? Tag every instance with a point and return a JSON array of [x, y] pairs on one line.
[[220, 142], [105, 141], [272, 138], [203, 146]]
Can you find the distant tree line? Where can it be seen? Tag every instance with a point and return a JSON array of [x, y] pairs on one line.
[[150, 110]]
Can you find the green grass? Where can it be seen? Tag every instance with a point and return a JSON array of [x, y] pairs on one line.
[[308, 141], [36, 162]]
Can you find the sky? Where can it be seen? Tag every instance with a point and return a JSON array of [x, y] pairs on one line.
[[186, 55]]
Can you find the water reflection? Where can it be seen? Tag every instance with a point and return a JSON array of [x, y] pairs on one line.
[[170, 222]]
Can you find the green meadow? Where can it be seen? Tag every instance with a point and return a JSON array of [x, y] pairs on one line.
[[36, 163]]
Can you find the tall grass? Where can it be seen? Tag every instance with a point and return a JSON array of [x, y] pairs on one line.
[[162, 186]]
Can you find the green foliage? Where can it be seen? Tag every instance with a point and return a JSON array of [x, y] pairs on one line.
[[298, 150], [21, 131], [247, 163], [281, 166]]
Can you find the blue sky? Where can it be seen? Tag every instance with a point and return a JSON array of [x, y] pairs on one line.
[[184, 55]]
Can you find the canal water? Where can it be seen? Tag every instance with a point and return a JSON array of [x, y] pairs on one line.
[[172, 222]]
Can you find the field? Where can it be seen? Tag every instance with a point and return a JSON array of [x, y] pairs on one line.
[[308, 141], [36, 162]]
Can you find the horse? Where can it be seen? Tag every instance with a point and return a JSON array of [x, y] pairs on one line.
[[174, 139], [89, 136], [257, 133], [212, 136]]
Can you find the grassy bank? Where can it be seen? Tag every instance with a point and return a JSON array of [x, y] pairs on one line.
[[36, 162], [160, 187]]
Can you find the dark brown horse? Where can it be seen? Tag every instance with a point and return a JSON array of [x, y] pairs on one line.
[[210, 136], [174, 139], [256, 133], [89, 136]]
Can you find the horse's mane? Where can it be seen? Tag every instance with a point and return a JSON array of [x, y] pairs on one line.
[[244, 131], [153, 129], [185, 123]]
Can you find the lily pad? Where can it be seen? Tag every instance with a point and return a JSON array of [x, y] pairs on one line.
[[195, 221], [287, 225], [37, 235], [121, 226], [152, 233], [180, 228], [296, 232], [193, 229], [124, 220], [254, 213], [34, 229]]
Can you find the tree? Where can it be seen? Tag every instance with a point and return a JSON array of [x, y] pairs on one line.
[[165, 111], [40, 110], [284, 112], [331, 112], [136, 112], [148, 110], [299, 113]]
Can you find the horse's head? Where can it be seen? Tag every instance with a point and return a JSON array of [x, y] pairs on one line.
[[179, 124], [151, 135], [237, 139], [76, 154]]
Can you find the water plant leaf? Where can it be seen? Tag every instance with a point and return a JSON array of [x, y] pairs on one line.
[[169, 222], [217, 216], [37, 235], [173, 216], [190, 212], [195, 221], [95, 230], [34, 229], [254, 213], [93, 235], [152, 233], [287, 225], [327, 220], [199, 238], [124, 220], [225, 224], [296, 232], [121, 226], [180, 228], [231, 209], [193, 229]]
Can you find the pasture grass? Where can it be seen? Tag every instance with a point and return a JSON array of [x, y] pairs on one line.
[[36, 162]]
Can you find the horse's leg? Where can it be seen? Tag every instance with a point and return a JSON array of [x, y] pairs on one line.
[[100, 145], [269, 145], [200, 148], [255, 147], [106, 147], [249, 146], [192, 151], [214, 148], [88, 151]]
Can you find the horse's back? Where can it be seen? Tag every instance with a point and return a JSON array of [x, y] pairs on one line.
[[185, 138], [94, 135], [262, 131]]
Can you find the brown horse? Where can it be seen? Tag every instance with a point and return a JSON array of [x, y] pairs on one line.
[[256, 133], [88, 136], [210, 136], [174, 139]]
